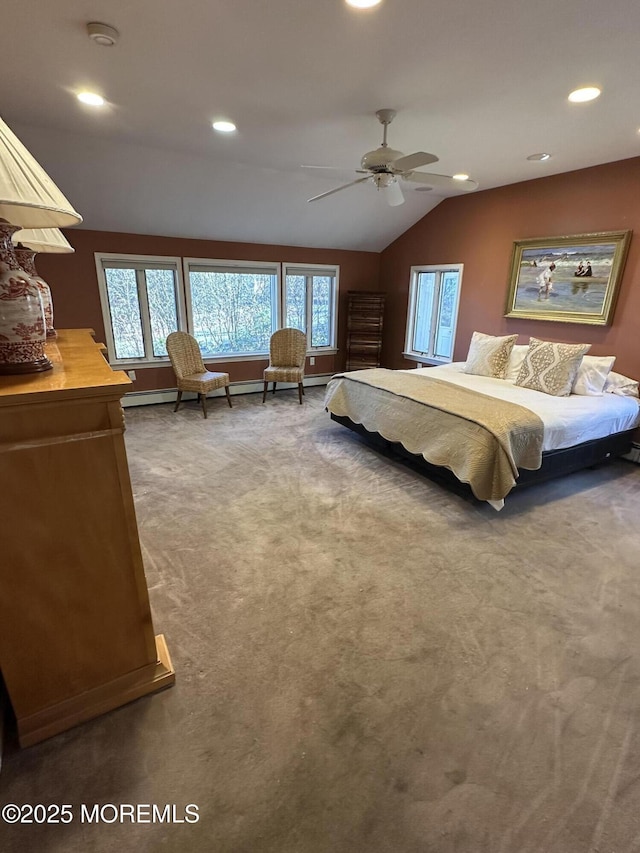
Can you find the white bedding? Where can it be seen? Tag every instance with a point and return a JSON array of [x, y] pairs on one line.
[[567, 420]]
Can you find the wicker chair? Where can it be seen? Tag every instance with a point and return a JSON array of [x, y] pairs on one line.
[[192, 375], [287, 354]]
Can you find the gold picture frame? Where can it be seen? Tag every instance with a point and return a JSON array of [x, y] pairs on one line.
[[568, 279]]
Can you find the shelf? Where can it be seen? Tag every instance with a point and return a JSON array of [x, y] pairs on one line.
[[365, 315]]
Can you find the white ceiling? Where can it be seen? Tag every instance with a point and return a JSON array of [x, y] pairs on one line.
[[480, 84]]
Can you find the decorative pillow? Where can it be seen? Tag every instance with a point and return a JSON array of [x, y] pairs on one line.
[[488, 355], [515, 361], [550, 367], [621, 385], [592, 374]]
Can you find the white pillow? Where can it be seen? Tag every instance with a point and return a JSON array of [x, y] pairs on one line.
[[515, 361], [489, 355], [621, 385], [592, 374]]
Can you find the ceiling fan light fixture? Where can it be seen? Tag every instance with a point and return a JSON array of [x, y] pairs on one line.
[[383, 180], [394, 195]]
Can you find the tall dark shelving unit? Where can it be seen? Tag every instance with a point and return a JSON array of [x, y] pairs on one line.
[[365, 315]]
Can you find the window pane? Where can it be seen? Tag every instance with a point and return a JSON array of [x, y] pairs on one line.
[[321, 302], [446, 314], [163, 314], [296, 302], [124, 307], [232, 312], [424, 311]]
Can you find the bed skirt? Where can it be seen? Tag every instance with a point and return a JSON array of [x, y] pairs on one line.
[[555, 463]]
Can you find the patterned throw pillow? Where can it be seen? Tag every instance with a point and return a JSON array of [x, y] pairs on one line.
[[551, 368], [488, 355]]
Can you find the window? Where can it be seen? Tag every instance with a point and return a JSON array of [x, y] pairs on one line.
[[310, 303], [235, 306], [434, 295], [141, 305], [232, 308]]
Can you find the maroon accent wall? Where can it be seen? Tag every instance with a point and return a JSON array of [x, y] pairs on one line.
[[479, 230], [76, 300]]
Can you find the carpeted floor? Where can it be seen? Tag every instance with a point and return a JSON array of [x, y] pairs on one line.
[[366, 662]]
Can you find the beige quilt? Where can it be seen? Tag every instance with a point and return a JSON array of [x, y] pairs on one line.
[[482, 439]]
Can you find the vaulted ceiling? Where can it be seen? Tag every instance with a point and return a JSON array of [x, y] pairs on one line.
[[482, 85]]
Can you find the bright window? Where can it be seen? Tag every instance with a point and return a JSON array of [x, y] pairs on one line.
[[141, 305], [310, 296], [232, 309], [434, 295]]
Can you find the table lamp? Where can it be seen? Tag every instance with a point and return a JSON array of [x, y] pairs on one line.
[[28, 199]]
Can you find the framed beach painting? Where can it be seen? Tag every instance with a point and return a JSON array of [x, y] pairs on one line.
[[567, 279]]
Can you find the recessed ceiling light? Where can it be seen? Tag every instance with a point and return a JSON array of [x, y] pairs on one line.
[[363, 4], [224, 126], [578, 96], [91, 98], [538, 156], [461, 177]]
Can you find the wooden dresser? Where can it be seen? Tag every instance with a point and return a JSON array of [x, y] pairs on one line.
[[365, 314], [76, 635]]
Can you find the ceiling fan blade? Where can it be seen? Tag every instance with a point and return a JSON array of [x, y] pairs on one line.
[[441, 182], [393, 194], [414, 161], [337, 189]]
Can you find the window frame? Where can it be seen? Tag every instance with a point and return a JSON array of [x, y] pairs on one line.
[[429, 357], [308, 271], [139, 263]]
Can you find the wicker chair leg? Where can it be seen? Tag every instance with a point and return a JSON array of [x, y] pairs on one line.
[[300, 392], [178, 401], [203, 399], [264, 391], [274, 387], [226, 389]]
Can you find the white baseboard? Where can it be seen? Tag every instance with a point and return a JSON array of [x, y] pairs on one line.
[[168, 395], [634, 453]]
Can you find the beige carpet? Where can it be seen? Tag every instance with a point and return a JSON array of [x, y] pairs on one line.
[[366, 662]]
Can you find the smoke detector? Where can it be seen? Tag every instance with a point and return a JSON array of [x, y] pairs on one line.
[[102, 34]]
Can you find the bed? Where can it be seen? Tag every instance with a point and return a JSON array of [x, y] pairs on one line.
[[486, 432]]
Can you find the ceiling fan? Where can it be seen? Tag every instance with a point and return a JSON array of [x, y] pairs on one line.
[[385, 166]]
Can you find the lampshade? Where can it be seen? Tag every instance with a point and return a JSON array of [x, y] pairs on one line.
[[28, 196], [43, 240]]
